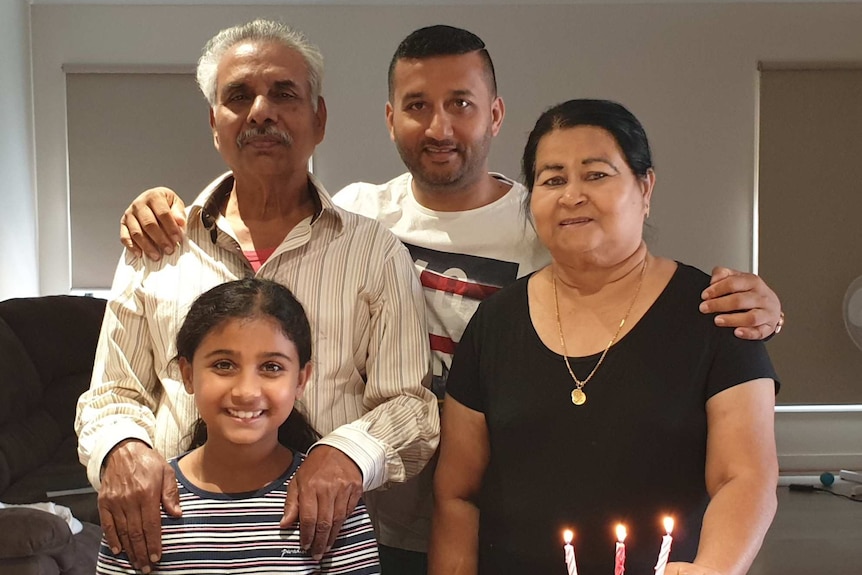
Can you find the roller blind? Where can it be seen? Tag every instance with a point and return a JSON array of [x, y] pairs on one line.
[[128, 132], [810, 205]]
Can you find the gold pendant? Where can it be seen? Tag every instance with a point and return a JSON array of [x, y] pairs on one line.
[[578, 397]]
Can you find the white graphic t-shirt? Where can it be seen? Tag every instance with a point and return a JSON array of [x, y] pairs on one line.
[[461, 257]]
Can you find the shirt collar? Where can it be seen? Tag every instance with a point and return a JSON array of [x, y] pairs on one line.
[[206, 208]]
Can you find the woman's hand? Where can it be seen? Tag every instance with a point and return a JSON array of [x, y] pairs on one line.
[[689, 569]]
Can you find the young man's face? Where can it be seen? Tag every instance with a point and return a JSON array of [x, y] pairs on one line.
[[442, 116]]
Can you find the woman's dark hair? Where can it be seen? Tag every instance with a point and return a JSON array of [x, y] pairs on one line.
[[250, 298], [610, 116]]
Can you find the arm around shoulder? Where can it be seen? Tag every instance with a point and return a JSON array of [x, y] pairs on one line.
[[744, 302]]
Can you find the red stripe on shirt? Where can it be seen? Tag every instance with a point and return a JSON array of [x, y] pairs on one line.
[[456, 286], [440, 343]]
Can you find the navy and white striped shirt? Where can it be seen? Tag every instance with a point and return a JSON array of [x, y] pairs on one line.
[[239, 533]]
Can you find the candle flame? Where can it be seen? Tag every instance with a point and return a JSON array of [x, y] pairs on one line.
[[567, 536], [668, 524], [621, 532]]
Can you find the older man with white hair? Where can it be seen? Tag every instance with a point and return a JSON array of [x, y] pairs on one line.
[[270, 218]]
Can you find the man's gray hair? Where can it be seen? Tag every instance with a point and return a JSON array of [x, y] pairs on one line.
[[259, 31]]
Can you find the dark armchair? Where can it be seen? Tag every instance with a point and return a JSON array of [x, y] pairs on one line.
[[47, 345]]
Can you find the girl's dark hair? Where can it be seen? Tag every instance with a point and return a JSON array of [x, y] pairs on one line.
[[250, 298], [610, 116]]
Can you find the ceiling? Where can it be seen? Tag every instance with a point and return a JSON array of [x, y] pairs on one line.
[[415, 2]]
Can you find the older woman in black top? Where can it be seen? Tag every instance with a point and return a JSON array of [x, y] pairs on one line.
[[593, 391]]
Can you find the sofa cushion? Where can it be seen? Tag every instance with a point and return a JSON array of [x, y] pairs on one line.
[[81, 556], [20, 385], [20, 393], [36, 565], [35, 533], [27, 444], [38, 548], [59, 332], [61, 472]]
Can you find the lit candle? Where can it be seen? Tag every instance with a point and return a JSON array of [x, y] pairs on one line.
[[570, 552], [664, 552], [620, 553]]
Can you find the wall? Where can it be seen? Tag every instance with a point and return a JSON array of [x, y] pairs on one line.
[[689, 71], [19, 272], [124, 117]]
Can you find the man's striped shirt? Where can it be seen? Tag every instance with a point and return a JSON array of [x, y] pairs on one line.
[[370, 346]]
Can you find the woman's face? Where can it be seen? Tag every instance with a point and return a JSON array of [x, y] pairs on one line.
[[587, 204]]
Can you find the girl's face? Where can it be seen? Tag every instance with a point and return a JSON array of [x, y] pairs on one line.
[[245, 377]]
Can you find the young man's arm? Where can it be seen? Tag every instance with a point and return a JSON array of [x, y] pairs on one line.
[[744, 302]]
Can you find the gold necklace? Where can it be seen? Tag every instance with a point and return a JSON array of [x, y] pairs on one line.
[[578, 395]]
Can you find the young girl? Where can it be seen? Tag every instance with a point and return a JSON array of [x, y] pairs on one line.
[[244, 351]]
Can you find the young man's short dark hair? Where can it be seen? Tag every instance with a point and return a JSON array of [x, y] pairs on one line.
[[441, 40]]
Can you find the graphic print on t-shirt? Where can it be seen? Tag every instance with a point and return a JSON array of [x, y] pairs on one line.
[[454, 284]]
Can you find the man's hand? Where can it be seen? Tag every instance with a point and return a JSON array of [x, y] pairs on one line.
[[154, 224], [323, 493], [744, 302], [134, 480]]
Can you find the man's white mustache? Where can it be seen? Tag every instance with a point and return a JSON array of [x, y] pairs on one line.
[[265, 132]]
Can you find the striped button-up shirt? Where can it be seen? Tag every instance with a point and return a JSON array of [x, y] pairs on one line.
[[368, 393]]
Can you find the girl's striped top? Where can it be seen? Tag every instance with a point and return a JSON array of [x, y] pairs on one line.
[[239, 533]]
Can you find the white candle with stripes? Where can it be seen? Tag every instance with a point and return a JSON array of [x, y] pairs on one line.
[[664, 552], [569, 550]]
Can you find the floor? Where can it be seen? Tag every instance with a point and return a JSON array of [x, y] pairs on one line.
[[813, 533]]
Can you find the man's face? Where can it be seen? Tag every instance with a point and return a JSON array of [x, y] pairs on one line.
[[264, 122], [442, 116]]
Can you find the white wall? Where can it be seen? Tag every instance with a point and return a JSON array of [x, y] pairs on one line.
[[19, 271], [689, 71], [825, 438]]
